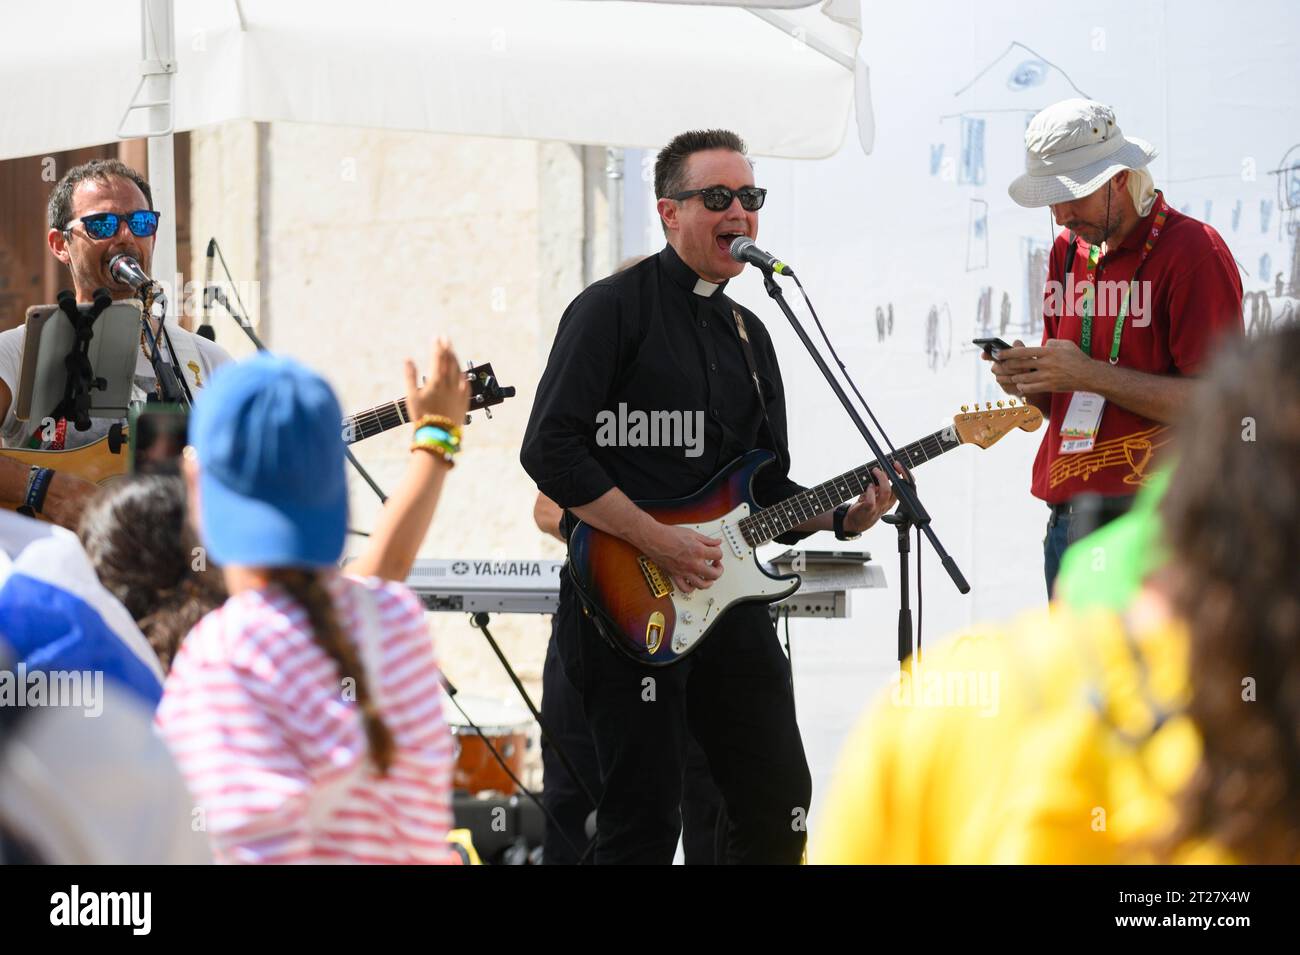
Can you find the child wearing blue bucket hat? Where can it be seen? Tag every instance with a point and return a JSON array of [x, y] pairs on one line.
[[307, 711]]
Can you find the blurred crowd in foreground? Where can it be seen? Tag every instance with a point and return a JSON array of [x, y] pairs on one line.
[[1152, 713]]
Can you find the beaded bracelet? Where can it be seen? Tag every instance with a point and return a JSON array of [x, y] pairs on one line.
[[439, 450], [438, 421]]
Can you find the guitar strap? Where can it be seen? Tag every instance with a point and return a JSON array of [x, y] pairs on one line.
[[1069, 257], [748, 349]]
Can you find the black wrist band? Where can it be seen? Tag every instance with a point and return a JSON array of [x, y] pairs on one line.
[[837, 521]]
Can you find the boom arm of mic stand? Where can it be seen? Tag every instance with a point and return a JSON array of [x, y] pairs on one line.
[[174, 390], [903, 490], [219, 297]]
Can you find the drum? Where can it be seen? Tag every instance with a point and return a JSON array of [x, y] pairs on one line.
[[502, 724]]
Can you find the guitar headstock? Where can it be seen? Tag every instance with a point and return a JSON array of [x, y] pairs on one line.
[[986, 427], [484, 389]]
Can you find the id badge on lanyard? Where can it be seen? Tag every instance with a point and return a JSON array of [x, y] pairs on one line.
[[1083, 416], [1082, 422]]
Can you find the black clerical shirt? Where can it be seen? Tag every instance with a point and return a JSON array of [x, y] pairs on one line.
[[654, 338]]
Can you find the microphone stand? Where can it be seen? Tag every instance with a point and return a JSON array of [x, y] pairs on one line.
[[902, 522], [81, 379], [172, 388], [911, 512]]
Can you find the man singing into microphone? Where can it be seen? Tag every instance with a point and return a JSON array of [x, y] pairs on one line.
[[98, 210], [662, 336]]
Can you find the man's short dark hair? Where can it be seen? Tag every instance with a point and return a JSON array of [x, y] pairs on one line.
[[670, 164], [59, 210]]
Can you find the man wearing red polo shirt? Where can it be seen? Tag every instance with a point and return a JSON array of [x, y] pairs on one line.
[[1136, 297]]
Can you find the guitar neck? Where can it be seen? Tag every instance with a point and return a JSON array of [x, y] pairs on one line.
[[771, 522], [373, 421]]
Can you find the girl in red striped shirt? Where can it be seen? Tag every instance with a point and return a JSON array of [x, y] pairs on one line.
[[306, 711]]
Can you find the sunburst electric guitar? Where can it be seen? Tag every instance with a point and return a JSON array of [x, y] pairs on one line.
[[105, 460], [632, 600]]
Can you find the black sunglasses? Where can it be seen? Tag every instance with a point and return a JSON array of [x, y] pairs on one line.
[[718, 198], [104, 225]]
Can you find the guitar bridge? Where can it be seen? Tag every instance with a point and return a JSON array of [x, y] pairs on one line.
[[654, 577]]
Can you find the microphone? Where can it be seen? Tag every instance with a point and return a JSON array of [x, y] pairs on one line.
[[743, 249], [205, 329], [125, 269]]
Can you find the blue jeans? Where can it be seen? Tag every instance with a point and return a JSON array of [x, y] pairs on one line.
[[1086, 514], [1054, 545]]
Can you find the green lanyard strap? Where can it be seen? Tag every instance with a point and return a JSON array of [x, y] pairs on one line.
[[1090, 290]]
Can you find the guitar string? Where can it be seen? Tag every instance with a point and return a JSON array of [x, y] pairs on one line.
[[383, 417], [764, 519], [823, 500]]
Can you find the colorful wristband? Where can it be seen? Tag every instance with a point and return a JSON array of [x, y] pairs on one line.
[[428, 434], [437, 421]]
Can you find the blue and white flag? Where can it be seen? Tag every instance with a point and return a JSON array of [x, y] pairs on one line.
[[57, 616]]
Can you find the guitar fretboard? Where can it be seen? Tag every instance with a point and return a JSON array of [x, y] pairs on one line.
[[771, 522], [367, 424]]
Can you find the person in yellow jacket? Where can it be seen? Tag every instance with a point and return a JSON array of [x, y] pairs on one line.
[[1152, 714]]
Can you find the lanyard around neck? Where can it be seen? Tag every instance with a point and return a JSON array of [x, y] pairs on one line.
[[1090, 290]]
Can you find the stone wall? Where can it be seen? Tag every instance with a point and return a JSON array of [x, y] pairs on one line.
[[366, 245]]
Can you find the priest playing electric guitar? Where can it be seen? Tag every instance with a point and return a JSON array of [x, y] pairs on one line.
[[692, 380]]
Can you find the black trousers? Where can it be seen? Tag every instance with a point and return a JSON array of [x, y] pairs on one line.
[[567, 799], [734, 696]]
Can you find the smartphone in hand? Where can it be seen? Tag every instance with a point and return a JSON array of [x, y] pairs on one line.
[[990, 345], [158, 434]]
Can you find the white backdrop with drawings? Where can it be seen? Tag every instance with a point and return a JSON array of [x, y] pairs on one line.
[[912, 251]]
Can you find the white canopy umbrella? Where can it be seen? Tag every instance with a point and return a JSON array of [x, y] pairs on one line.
[[783, 72], [590, 71]]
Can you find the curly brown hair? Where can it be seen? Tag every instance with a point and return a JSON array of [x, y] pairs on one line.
[[1232, 516], [308, 590], [147, 556]]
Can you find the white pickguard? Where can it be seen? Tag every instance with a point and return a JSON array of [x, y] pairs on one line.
[[741, 580]]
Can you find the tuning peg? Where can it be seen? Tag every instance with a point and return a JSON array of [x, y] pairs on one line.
[[999, 404], [988, 406], [963, 409]]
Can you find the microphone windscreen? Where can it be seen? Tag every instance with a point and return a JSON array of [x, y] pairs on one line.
[[738, 246]]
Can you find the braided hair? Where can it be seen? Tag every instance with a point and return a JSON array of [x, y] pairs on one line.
[[308, 590]]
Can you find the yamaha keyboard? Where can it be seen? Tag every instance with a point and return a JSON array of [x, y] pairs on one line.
[[533, 586]]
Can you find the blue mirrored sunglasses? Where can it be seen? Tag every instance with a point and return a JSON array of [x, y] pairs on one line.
[[104, 225]]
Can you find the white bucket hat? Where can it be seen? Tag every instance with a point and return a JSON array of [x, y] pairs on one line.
[[1072, 148]]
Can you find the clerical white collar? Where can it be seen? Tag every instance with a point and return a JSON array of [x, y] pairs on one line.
[[705, 289]]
